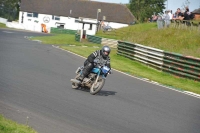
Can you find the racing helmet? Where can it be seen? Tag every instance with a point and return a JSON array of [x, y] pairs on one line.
[[105, 51]]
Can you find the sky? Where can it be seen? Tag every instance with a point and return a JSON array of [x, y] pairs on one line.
[[172, 4]]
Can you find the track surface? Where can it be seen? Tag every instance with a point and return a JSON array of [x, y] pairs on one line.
[[35, 83]]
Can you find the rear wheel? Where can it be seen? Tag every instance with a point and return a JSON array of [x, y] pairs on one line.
[[95, 88]]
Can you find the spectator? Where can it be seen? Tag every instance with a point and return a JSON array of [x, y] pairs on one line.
[[102, 24], [186, 16], [174, 16], [149, 20], [154, 19], [167, 19], [170, 14], [179, 15], [160, 22], [192, 16]]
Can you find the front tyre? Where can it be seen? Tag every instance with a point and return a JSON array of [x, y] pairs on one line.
[[95, 88]]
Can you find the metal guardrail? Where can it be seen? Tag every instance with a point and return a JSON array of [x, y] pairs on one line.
[[94, 39], [147, 55], [109, 42], [173, 63], [182, 65], [77, 37], [99, 40]]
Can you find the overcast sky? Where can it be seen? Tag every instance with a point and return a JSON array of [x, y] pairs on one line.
[[172, 4]]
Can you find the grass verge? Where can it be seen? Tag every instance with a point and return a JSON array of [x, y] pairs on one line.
[[2, 25], [8, 126], [123, 64]]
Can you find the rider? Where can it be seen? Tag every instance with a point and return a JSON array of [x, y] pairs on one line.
[[99, 56]]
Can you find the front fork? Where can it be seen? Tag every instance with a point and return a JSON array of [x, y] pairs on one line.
[[98, 77]]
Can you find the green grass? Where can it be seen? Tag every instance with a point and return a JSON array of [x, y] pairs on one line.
[[63, 39], [8, 126], [183, 41], [123, 64], [2, 25]]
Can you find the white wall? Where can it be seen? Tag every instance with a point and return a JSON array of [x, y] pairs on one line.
[[3, 20], [15, 25], [34, 24], [115, 25]]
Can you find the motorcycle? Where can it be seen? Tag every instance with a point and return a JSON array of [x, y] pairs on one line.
[[94, 81]]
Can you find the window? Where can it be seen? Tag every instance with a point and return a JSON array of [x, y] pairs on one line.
[[56, 18], [29, 14], [35, 15], [76, 21]]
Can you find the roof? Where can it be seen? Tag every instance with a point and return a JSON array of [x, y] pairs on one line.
[[196, 11], [80, 8]]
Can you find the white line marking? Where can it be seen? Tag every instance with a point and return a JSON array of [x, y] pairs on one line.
[[8, 32], [143, 79], [37, 41]]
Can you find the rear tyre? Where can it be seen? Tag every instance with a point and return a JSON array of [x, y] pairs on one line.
[[95, 88]]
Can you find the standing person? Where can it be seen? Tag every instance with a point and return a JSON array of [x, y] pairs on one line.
[[187, 16], [174, 16], [100, 56], [179, 15], [167, 19], [170, 14], [154, 19], [160, 22]]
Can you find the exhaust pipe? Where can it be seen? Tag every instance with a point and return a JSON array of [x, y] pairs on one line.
[[75, 81]]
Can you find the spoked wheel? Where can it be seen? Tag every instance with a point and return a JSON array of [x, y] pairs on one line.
[[75, 85], [95, 88]]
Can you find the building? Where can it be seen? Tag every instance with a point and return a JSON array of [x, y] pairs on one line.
[[73, 15], [197, 13]]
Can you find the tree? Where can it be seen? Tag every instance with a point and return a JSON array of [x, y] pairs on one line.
[[9, 9], [185, 4], [143, 9]]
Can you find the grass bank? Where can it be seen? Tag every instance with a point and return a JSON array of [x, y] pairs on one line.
[[183, 41], [121, 63], [2, 25], [8, 126]]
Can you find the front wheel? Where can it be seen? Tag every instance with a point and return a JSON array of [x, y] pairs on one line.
[[95, 88]]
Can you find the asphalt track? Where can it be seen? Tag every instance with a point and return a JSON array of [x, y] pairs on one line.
[[35, 89]]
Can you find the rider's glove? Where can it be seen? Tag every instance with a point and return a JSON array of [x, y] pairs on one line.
[[95, 61]]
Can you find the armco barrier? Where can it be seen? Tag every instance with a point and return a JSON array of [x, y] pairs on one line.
[[109, 42], [147, 55], [182, 65], [104, 41], [173, 63], [77, 37], [62, 31], [94, 39]]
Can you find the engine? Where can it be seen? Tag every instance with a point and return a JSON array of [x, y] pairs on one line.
[[88, 81]]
